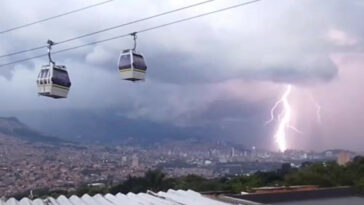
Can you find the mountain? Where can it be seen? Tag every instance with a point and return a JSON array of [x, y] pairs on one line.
[[111, 127], [11, 126]]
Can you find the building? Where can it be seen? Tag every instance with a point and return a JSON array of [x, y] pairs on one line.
[[297, 195], [343, 158], [124, 159], [135, 161]]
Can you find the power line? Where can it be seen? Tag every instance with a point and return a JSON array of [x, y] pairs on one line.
[[54, 17], [136, 21], [23, 51], [140, 31], [108, 29]]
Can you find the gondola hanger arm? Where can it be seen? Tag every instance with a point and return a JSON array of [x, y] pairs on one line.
[[50, 44], [134, 34]]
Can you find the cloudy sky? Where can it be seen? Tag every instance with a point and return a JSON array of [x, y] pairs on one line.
[[225, 70]]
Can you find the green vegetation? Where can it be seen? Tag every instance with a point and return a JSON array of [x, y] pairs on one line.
[[327, 174], [330, 175], [153, 180]]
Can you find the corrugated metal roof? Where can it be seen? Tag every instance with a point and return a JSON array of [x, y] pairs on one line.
[[171, 197]]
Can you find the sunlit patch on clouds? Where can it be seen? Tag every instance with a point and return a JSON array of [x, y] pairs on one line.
[[341, 38]]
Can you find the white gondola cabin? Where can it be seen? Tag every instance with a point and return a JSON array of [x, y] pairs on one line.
[[132, 66], [53, 81]]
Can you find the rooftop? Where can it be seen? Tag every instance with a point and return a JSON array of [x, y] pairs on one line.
[[171, 197], [299, 195]]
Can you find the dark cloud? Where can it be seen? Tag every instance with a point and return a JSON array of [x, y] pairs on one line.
[[221, 71], [270, 48]]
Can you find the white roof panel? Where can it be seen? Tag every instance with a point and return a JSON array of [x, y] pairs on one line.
[[171, 197]]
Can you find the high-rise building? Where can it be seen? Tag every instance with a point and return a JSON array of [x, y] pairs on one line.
[[254, 152], [134, 161], [343, 158], [232, 152], [124, 160]]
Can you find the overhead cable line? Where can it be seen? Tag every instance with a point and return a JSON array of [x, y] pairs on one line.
[[108, 29], [139, 31], [54, 17]]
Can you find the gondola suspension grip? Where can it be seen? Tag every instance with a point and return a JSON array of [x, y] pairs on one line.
[[134, 34], [50, 44]]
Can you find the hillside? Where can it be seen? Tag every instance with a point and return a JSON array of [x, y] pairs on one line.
[[108, 127], [11, 126]]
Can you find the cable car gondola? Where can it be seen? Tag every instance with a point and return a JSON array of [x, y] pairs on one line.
[[53, 80], [132, 64]]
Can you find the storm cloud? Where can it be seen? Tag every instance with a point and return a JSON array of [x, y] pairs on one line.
[[224, 70]]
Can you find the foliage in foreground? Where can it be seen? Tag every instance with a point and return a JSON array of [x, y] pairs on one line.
[[327, 174], [330, 175]]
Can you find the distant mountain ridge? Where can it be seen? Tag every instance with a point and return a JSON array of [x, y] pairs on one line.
[[11, 126], [109, 127]]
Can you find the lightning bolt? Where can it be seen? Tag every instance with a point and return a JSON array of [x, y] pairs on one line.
[[284, 119], [318, 112], [318, 109]]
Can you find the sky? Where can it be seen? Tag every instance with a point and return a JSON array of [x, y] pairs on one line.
[[225, 70]]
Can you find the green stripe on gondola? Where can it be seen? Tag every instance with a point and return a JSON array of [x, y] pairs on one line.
[[129, 69], [138, 70], [125, 69], [61, 87]]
